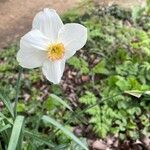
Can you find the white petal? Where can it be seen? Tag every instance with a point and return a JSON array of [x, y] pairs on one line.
[[53, 70], [48, 22], [34, 40], [73, 36], [32, 52], [31, 59]]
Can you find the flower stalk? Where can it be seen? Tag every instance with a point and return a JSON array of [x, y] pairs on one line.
[[17, 91]]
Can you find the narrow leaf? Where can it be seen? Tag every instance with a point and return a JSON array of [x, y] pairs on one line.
[[5, 128], [7, 103], [61, 147], [60, 101], [17, 127], [39, 138], [66, 131], [4, 117], [17, 90]]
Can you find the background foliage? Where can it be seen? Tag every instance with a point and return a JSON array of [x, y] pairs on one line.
[[110, 77]]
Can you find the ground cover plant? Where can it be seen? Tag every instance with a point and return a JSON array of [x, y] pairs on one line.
[[104, 93]]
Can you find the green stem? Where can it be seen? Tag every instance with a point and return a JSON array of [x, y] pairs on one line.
[[17, 91]]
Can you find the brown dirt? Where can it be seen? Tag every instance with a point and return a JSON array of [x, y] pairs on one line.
[[16, 16]]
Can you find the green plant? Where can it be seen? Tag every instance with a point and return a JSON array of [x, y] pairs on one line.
[[113, 101]]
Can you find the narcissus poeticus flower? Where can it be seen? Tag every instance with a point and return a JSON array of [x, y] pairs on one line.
[[50, 43]]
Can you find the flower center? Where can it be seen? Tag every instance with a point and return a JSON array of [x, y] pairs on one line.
[[55, 51]]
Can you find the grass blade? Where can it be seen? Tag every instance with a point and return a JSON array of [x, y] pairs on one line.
[[66, 131], [17, 127], [7, 103], [4, 117], [17, 90], [39, 138], [5, 128], [60, 101], [61, 147]]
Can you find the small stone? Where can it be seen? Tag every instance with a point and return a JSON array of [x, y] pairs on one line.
[[85, 78], [99, 145]]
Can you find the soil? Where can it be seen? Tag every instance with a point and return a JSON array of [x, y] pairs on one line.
[[16, 15]]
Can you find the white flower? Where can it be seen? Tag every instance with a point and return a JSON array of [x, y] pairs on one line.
[[50, 43]]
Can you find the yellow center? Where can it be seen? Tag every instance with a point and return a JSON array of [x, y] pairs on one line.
[[55, 51]]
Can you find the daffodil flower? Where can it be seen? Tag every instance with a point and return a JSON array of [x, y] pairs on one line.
[[50, 43]]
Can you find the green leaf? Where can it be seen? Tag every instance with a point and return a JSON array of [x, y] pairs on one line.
[[20, 107], [146, 92], [7, 104], [133, 134], [75, 62], [101, 68], [38, 137], [80, 64], [136, 12], [89, 98], [60, 101], [4, 117], [122, 84], [61, 147], [66, 131], [49, 104], [137, 93], [5, 128], [17, 90], [17, 127], [75, 146]]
